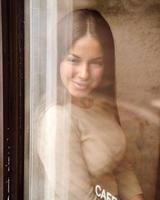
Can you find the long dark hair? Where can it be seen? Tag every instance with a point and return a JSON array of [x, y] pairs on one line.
[[77, 24]]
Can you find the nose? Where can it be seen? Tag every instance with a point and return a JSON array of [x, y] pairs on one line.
[[84, 71]]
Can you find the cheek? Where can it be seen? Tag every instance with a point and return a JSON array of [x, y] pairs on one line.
[[66, 71], [97, 74]]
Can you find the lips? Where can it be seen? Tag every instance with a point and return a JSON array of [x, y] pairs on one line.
[[80, 85]]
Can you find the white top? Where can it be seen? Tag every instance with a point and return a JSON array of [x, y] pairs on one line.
[[80, 148]]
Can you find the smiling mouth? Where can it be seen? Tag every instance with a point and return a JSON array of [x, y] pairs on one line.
[[80, 85]]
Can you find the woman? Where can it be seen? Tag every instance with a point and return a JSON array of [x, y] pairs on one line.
[[81, 146]]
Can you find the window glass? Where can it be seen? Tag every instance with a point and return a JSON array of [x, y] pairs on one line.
[[92, 99]]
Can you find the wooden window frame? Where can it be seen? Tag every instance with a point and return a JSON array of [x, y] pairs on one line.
[[13, 98]]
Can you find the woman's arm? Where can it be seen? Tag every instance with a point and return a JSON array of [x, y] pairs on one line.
[[138, 197], [128, 184]]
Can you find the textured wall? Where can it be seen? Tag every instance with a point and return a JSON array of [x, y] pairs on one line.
[[136, 28], [137, 39]]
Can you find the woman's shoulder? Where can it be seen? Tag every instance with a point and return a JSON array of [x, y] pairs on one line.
[[46, 118], [48, 121], [52, 108], [51, 111]]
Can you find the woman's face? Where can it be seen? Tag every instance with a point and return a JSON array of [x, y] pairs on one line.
[[82, 69]]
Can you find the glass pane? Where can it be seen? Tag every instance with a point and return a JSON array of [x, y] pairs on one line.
[[92, 99], [41, 85]]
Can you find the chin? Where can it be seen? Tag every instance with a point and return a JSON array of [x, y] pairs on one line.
[[79, 94]]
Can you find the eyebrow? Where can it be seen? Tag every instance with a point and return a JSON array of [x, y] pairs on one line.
[[72, 54], [97, 58]]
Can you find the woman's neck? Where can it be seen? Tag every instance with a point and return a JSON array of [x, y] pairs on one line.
[[86, 102]]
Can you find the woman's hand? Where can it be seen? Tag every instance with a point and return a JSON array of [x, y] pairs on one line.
[[138, 197]]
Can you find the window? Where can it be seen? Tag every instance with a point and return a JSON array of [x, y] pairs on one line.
[[29, 84]]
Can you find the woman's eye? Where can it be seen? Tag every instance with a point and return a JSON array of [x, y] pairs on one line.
[[97, 63], [73, 60]]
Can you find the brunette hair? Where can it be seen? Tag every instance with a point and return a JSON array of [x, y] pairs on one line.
[[77, 24]]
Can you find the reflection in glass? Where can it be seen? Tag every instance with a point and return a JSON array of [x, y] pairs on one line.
[[76, 141]]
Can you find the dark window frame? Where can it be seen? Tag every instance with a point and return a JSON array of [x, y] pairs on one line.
[[13, 98], [158, 180]]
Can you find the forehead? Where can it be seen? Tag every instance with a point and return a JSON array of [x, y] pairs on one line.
[[87, 46]]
